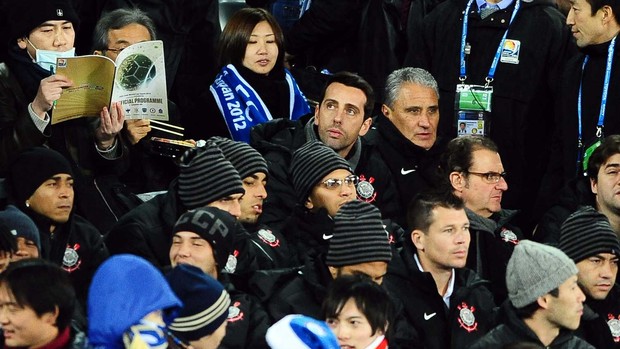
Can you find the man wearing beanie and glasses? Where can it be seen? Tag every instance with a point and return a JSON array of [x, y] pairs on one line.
[[40, 31], [205, 238], [266, 247], [40, 184], [587, 238], [206, 179], [359, 245], [201, 322], [545, 302], [448, 305]]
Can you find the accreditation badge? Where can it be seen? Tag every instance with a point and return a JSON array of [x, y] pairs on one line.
[[510, 51], [473, 110]]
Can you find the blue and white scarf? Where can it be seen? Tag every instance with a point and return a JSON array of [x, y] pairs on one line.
[[241, 106]]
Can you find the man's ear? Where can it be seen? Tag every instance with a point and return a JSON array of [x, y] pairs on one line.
[[543, 301], [333, 271], [22, 43], [386, 110], [309, 204], [51, 316], [457, 180], [365, 127], [98, 52], [594, 186], [417, 237]]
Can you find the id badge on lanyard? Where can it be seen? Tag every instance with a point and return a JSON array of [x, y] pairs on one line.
[[473, 102], [473, 109]]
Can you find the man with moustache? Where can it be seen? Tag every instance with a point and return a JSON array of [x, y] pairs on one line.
[[474, 172], [448, 305], [342, 116], [545, 302], [587, 238]]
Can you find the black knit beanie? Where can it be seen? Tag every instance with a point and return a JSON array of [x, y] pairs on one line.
[[586, 233], [359, 236], [206, 176], [25, 15], [243, 157], [33, 167], [313, 161], [215, 226]]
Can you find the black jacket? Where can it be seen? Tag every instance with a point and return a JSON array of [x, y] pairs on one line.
[[492, 242], [247, 320], [563, 165], [146, 231], [602, 331], [76, 246], [272, 248], [524, 94], [412, 168], [575, 194], [514, 330], [277, 141], [471, 313]]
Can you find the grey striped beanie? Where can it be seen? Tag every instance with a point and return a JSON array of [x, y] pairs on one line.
[[243, 157], [205, 302], [313, 161], [587, 233], [206, 176], [359, 236]]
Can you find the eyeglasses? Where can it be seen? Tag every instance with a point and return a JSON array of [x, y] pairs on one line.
[[490, 177], [333, 183], [115, 50]]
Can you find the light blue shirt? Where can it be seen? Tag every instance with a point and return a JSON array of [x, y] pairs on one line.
[[502, 4]]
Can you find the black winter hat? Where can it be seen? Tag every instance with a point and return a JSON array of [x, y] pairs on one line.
[[215, 226], [359, 236], [313, 161], [206, 176], [586, 233], [25, 15], [243, 157], [205, 302], [33, 167]]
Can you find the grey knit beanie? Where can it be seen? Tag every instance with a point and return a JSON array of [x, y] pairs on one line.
[[359, 236], [313, 161], [243, 157], [206, 176], [535, 269], [586, 233]]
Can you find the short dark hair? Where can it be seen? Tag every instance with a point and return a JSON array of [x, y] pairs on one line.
[[528, 311], [609, 147], [42, 286], [236, 35], [370, 298], [118, 19], [420, 211], [596, 5], [458, 155], [355, 81]]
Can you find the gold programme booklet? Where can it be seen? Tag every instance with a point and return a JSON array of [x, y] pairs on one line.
[[137, 79]]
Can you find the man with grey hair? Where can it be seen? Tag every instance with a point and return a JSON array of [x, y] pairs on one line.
[[406, 133], [545, 304]]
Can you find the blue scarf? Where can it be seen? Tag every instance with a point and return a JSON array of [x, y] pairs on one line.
[[242, 108]]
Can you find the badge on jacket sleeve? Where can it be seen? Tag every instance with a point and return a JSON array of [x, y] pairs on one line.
[[234, 313], [467, 319], [614, 326], [267, 237], [365, 189], [71, 260]]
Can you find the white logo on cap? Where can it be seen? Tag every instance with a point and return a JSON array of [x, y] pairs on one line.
[[59, 12]]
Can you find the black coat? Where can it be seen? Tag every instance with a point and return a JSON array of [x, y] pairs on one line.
[[436, 325], [598, 330], [492, 242], [514, 330], [524, 94]]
